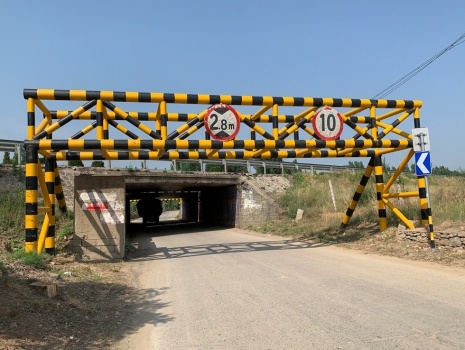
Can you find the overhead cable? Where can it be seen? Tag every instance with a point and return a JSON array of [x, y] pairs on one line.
[[418, 69]]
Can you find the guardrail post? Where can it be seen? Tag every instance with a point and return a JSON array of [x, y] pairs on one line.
[[225, 166], [175, 165], [201, 165], [282, 168], [264, 168]]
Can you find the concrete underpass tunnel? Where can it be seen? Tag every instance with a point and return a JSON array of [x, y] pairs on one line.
[[208, 199]]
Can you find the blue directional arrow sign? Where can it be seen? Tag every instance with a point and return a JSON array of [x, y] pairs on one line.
[[422, 163]]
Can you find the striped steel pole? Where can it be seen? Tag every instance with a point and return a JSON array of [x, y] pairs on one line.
[[32, 198], [50, 184], [421, 180], [59, 190], [31, 118], [275, 121], [423, 190], [163, 121], [379, 193], [378, 167], [358, 193], [99, 128]]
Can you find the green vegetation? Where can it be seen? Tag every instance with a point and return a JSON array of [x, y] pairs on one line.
[[311, 193], [64, 225], [75, 162], [6, 158], [172, 204], [12, 227], [97, 164], [39, 261]]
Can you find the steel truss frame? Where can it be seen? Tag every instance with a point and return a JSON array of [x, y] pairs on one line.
[[369, 141]]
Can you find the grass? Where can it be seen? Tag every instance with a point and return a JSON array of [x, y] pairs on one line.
[[312, 194], [39, 261], [12, 211]]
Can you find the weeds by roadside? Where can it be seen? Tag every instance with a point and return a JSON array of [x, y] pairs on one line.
[[39, 261]]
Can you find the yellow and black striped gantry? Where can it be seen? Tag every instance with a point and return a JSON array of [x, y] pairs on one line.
[[291, 136]]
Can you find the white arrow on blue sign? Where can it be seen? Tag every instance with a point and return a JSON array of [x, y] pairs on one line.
[[422, 163]]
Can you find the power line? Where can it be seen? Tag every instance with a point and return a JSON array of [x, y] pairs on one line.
[[417, 70]]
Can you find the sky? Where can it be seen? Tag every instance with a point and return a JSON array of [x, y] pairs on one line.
[[350, 49]]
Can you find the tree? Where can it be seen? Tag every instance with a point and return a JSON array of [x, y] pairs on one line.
[[188, 166], [14, 161], [97, 164], [75, 162], [355, 164], [219, 168], [6, 158]]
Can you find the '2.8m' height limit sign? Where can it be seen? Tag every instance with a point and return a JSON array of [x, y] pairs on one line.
[[222, 122], [327, 123]]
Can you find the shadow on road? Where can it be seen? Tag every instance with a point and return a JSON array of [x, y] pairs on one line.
[[85, 315], [148, 250]]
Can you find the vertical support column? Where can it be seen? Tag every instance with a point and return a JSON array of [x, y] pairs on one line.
[[379, 193], [32, 198], [31, 118], [164, 120], [423, 191], [59, 190], [378, 174], [99, 128], [296, 135], [421, 179], [106, 134], [50, 184], [275, 121], [252, 134], [158, 121], [423, 200]]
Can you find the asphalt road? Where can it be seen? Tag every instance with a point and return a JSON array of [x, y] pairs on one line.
[[227, 289]]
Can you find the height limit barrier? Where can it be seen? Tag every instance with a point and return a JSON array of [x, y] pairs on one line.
[[292, 136]]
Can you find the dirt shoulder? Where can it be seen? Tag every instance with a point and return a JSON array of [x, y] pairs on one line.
[[92, 310], [370, 240]]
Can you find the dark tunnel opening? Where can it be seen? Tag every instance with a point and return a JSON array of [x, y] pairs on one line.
[[186, 199]]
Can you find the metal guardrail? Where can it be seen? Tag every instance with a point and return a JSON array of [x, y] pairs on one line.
[[313, 168], [11, 146]]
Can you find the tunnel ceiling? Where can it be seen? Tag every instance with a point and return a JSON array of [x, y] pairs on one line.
[[178, 182]]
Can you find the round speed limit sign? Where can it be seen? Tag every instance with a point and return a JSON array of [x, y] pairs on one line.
[[222, 122], [327, 123]]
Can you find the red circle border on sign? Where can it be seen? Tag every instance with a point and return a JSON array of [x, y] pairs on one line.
[[238, 120], [324, 138]]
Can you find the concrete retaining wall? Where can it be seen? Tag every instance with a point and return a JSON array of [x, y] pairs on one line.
[[99, 216], [256, 206]]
